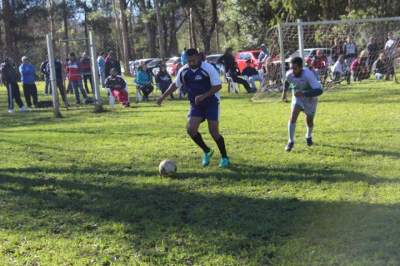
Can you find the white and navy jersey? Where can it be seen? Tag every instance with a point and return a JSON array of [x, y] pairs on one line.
[[306, 82], [198, 81]]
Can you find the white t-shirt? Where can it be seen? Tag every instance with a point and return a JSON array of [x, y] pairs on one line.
[[389, 44], [306, 82], [338, 67]]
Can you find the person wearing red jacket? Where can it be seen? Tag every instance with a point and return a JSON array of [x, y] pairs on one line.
[[75, 79], [86, 71]]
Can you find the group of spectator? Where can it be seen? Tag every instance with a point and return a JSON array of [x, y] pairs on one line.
[[345, 57], [350, 62]]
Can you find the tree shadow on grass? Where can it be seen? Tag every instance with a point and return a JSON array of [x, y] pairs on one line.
[[366, 152], [250, 230]]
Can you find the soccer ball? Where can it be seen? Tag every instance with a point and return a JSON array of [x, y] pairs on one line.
[[167, 168]]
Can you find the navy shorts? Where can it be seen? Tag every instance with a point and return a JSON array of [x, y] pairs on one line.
[[209, 111]]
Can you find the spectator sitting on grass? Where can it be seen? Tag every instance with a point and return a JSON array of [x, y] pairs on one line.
[[359, 67], [144, 81], [163, 80], [251, 75], [340, 70], [379, 67]]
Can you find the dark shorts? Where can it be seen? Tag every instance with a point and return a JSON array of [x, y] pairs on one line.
[[207, 112]]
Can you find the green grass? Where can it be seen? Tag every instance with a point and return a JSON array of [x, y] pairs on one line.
[[84, 190]]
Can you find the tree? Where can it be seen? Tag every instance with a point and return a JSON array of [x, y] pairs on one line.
[[147, 17], [207, 23], [124, 27], [9, 19], [160, 29]]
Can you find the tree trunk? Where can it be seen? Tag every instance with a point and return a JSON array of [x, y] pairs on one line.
[[118, 39], [160, 29], [131, 32], [65, 20], [126, 55], [148, 25], [193, 42], [173, 41], [86, 31], [207, 24], [8, 18]]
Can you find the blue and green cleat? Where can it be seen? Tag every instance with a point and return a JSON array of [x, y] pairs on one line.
[[207, 157], [224, 162]]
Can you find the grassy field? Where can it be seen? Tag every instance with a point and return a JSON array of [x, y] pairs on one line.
[[85, 190]]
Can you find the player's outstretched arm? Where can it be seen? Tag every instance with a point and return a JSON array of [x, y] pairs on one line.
[[167, 93]]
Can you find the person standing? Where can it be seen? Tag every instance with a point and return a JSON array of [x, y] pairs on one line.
[[58, 66], [75, 79], [112, 62], [203, 84], [264, 54], [86, 72], [373, 51], [390, 53], [46, 76], [350, 50], [9, 76], [184, 57], [101, 65], [27, 72], [337, 50]]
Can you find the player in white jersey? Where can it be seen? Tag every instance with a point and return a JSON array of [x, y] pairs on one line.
[[305, 89]]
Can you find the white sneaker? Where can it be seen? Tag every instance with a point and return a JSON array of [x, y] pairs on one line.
[[22, 109], [27, 109], [10, 111]]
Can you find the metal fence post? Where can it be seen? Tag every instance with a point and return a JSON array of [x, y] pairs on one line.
[[53, 81], [95, 74]]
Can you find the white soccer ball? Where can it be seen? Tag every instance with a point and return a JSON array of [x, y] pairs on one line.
[[167, 168]]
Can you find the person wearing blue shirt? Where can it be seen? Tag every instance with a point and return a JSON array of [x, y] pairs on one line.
[[27, 72], [184, 57], [58, 67], [203, 84], [144, 81]]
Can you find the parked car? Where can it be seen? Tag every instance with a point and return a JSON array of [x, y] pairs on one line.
[[310, 53], [154, 65], [241, 58], [213, 59], [173, 64], [134, 65]]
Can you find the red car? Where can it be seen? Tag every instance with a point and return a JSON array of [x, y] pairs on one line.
[[242, 56]]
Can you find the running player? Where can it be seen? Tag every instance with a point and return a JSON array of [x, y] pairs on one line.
[[202, 82], [305, 89]]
